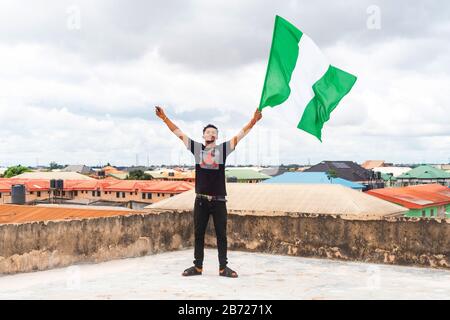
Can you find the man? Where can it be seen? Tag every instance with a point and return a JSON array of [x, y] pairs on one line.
[[210, 188]]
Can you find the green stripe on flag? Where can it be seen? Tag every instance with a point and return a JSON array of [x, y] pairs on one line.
[[282, 59], [328, 91]]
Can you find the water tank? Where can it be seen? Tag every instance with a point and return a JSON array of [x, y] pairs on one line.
[[60, 184], [18, 194], [53, 184]]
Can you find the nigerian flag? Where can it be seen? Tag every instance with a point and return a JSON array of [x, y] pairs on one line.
[[320, 85]]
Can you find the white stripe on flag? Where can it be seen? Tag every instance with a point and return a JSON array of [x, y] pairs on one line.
[[311, 66]]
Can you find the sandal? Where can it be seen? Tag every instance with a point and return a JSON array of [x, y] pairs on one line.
[[227, 272], [192, 271]]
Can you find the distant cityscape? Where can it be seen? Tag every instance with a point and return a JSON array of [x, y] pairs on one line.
[[136, 187]]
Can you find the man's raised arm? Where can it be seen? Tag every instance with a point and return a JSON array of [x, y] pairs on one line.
[[180, 134], [256, 117]]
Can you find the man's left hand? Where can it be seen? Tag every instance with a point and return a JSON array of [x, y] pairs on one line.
[[257, 115]]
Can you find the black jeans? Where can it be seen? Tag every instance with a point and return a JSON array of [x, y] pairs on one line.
[[202, 209]]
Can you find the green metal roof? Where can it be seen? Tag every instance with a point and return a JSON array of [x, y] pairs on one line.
[[246, 174], [425, 172]]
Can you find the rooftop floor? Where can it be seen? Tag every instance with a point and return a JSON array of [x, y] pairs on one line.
[[261, 276]]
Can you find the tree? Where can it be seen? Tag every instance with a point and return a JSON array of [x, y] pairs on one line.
[[138, 175], [331, 174], [53, 165], [15, 170]]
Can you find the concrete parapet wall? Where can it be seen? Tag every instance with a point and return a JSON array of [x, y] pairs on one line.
[[44, 245]]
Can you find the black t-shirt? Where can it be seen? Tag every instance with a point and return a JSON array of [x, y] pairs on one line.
[[210, 167]]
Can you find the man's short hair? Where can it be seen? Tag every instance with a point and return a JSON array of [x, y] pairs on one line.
[[210, 126]]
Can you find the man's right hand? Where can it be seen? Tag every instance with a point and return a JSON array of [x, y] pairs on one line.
[[160, 113]]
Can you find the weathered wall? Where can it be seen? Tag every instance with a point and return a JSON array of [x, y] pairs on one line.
[[39, 246], [403, 241]]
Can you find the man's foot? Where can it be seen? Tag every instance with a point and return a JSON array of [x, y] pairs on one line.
[[227, 272], [192, 271]]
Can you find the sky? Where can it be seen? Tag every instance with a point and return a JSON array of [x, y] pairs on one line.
[[79, 80]]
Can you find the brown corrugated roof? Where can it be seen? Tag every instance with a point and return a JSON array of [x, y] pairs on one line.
[[370, 164], [23, 214], [280, 199]]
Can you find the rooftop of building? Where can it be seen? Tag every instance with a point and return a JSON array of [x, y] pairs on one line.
[[415, 197], [282, 199], [425, 172], [24, 214], [312, 178], [103, 184], [276, 277]]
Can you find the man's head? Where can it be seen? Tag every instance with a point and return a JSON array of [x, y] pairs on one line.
[[210, 133]]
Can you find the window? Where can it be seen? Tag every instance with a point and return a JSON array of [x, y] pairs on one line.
[[31, 192], [63, 193], [172, 195], [123, 194], [99, 193], [93, 193], [38, 193], [143, 195], [424, 213], [0, 194], [131, 193], [75, 193], [149, 195], [117, 194], [432, 212]]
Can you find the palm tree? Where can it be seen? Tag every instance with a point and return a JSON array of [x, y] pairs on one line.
[[331, 174]]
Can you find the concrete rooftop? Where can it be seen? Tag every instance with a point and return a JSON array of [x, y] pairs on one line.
[[262, 276]]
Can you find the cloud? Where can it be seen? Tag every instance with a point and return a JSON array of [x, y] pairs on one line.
[[86, 95]]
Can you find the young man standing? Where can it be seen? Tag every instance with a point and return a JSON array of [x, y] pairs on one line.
[[210, 188]]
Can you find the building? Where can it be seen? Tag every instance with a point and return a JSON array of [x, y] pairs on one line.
[[423, 175], [394, 171], [350, 171], [278, 199], [45, 175], [96, 192], [428, 200], [370, 164], [245, 175], [313, 178], [81, 168], [445, 167], [172, 175], [273, 171]]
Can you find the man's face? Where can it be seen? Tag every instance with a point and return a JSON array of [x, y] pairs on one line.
[[210, 135]]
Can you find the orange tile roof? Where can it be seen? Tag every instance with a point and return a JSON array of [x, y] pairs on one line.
[[110, 169], [124, 185], [105, 185], [24, 214], [168, 186], [415, 197], [5, 187]]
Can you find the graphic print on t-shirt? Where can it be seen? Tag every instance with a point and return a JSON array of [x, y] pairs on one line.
[[209, 158]]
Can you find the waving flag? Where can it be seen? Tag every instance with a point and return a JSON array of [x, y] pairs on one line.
[[321, 85]]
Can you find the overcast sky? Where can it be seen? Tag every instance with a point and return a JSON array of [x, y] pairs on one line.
[[79, 80]]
